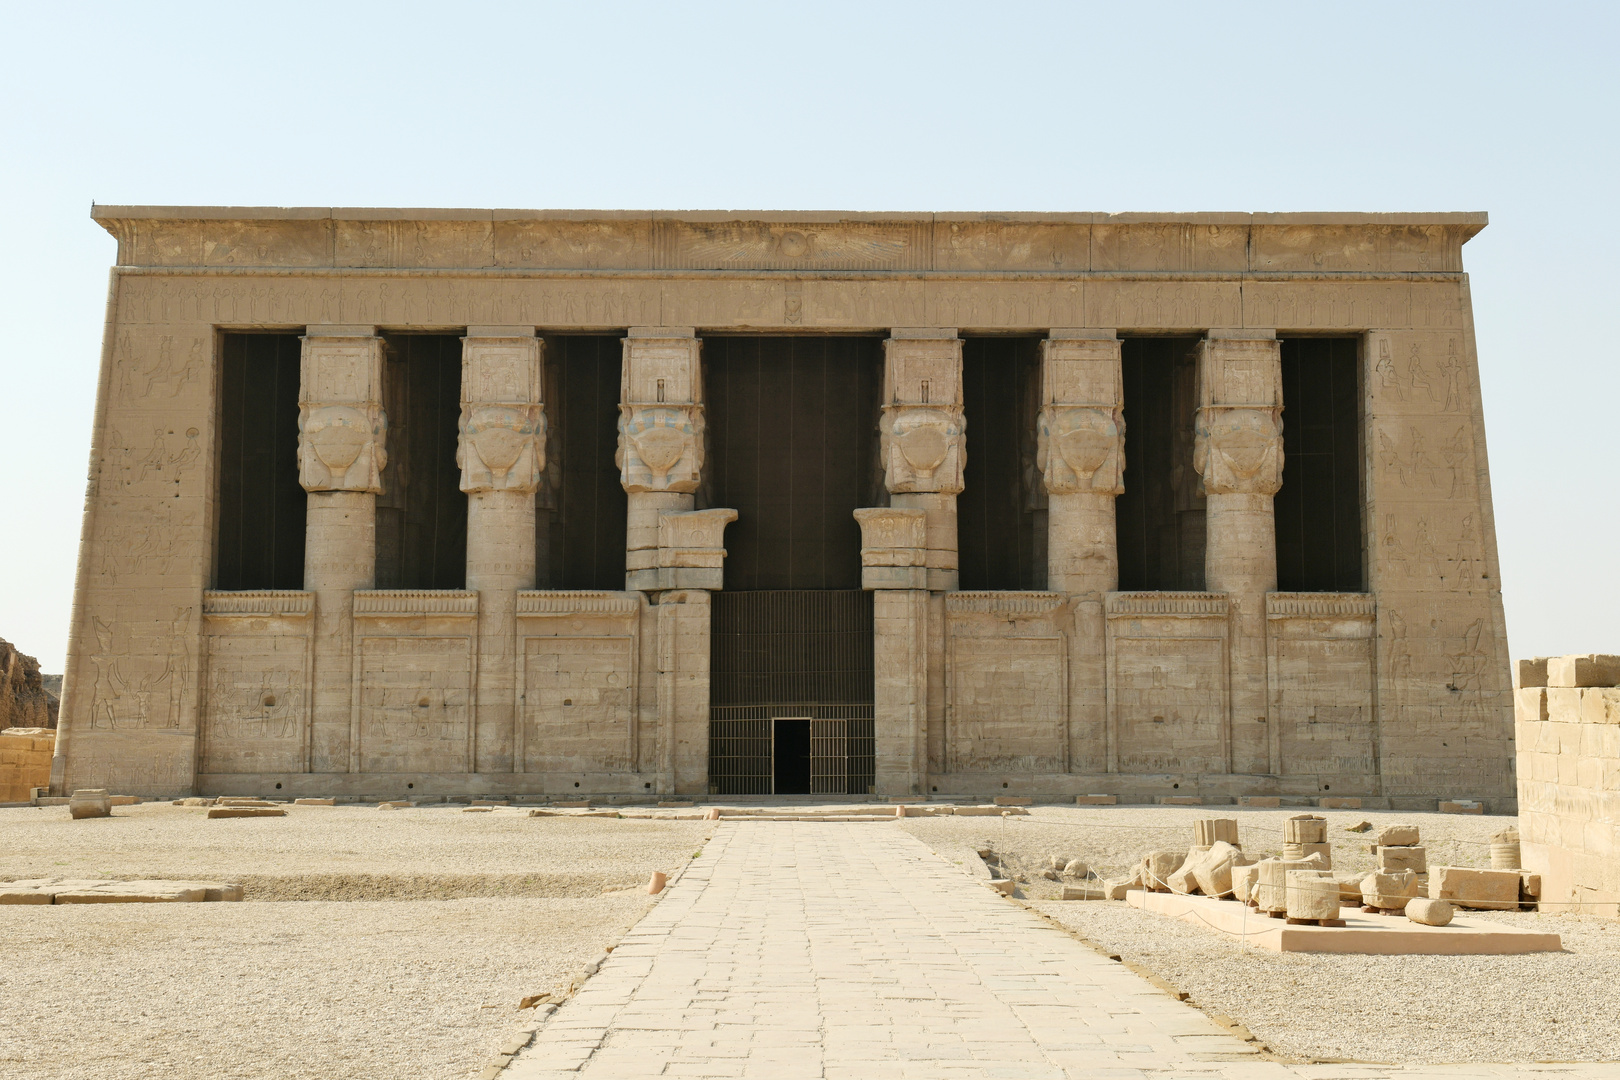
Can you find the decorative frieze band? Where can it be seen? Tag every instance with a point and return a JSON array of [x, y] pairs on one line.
[[1307, 605], [1198, 604], [549, 602], [286, 603], [451, 602], [1003, 603]]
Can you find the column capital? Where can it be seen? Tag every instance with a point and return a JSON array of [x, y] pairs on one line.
[[894, 547], [661, 421], [1080, 433], [1237, 447], [691, 552], [921, 442], [342, 429], [501, 444]]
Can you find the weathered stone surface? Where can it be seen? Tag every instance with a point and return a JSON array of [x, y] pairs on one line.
[[246, 811], [1086, 892], [1305, 829], [1397, 836], [1312, 894], [1210, 831], [1075, 868], [90, 803], [1270, 892], [1323, 851], [1116, 888], [1212, 870], [1243, 880], [1415, 859], [1238, 692], [1388, 890], [24, 700], [1429, 912], [1184, 878], [25, 761], [1593, 669], [1157, 866], [1471, 888]]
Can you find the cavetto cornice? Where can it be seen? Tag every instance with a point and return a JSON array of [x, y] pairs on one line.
[[809, 242]]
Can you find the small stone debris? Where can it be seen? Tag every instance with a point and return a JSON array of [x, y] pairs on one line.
[[89, 803], [1359, 827], [397, 804], [656, 883], [534, 999], [1429, 912]]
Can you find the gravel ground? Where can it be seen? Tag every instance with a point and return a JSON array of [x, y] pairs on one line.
[[1405, 1009], [351, 852], [412, 922]]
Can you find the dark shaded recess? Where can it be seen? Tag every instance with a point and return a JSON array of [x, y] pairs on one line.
[[1159, 520], [1001, 512], [791, 449], [581, 508], [261, 506], [422, 512], [791, 646], [792, 765], [1319, 526]]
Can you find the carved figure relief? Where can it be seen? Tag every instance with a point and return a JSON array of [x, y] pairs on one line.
[[660, 447], [1081, 448], [135, 699], [1239, 451], [922, 448], [341, 447]]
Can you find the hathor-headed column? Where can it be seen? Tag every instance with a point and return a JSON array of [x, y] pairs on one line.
[[1081, 455], [501, 449], [1238, 454], [660, 454], [342, 434], [922, 438]]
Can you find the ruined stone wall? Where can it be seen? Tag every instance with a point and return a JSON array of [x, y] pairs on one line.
[[1568, 728], [25, 762], [1399, 693]]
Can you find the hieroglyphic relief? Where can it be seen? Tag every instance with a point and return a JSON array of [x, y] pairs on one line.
[[131, 692]]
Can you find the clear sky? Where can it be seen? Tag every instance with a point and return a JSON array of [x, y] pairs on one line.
[[858, 106]]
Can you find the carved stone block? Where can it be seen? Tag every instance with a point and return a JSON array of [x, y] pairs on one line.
[[342, 430], [502, 438], [894, 547], [691, 552]]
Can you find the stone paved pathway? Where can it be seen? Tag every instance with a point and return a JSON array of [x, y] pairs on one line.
[[852, 952]]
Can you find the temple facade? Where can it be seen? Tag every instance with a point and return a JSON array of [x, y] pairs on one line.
[[636, 505]]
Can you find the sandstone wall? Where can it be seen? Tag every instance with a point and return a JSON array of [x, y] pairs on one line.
[[25, 762], [1568, 724]]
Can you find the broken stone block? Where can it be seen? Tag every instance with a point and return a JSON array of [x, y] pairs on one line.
[[1210, 831], [1084, 892], [1415, 859], [1305, 829], [1529, 886], [1243, 878], [1461, 806], [1349, 888], [11, 894], [1096, 800], [656, 883], [1305, 851], [136, 892], [397, 804], [1183, 879], [1429, 912], [1388, 890], [1075, 868], [477, 809], [1593, 669], [1505, 854], [1312, 894], [236, 800], [1397, 836], [1013, 800], [711, 814], [1489, 890], [245, 811], [1157, 866], [1533, 672], [90, 803], [1004, 886], [1116, 888], [314, 802], [1270, 892], [1213, 869], [194, 801], [1360, 826]]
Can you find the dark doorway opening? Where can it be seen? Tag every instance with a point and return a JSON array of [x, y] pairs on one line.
[[792, 427], [1001, 513], [261, 507], [791, 767], [581, 508], [422, 512], [1318, 510], [1159, 520]]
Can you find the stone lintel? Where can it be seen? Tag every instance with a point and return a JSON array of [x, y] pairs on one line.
[[1069, 333], [500, 332], [343, 330]]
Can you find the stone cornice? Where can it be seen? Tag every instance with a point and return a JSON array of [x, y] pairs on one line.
[[809, 243]]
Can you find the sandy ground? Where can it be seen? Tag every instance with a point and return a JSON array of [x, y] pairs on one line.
[[1408, 1009], [419, 932]]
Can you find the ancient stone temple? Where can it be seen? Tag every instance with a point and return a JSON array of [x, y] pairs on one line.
[[453, 502]]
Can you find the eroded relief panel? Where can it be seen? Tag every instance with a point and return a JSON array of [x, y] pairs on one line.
[[1320, 673], [1168, 682], [415, 703], [1006, 657], [579, 681]]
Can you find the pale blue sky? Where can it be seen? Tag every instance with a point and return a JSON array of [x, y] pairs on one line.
[[859, 106]]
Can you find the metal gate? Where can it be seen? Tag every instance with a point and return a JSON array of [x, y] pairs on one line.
[[798, 655]]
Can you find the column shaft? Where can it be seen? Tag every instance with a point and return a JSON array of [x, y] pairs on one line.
[[1081, 454], [502, 452], [1238, 452], [341, 455]]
